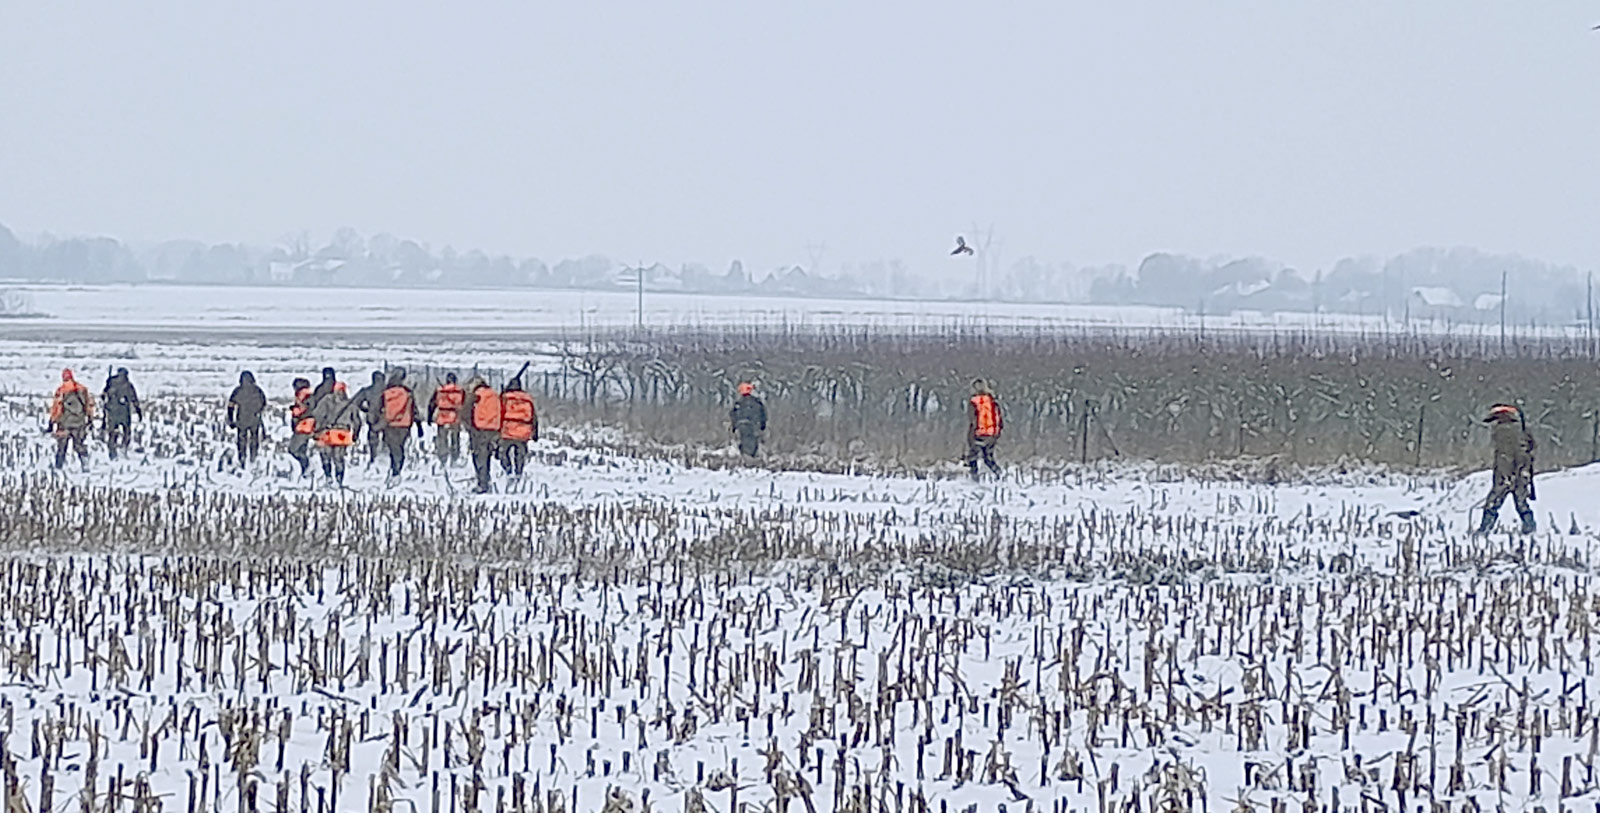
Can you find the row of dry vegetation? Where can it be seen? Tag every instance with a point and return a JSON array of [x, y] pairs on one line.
[[897, 399]]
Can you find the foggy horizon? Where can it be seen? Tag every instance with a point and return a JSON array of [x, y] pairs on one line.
[[714, 132]]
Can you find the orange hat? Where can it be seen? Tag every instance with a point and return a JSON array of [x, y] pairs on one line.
[[66, 375], [745, 388], [1501, 412]]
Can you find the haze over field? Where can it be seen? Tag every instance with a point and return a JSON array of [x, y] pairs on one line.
[[703, 132]]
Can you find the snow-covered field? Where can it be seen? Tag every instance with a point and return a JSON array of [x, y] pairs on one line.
[[178, 630], [181, 633]]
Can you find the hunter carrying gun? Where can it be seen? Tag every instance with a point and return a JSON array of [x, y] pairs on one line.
[[1513, 467]]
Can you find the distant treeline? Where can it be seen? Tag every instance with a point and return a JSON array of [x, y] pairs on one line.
[[1458, 285]]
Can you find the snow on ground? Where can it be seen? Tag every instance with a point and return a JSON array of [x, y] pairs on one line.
[[253, 312], [783, 640]]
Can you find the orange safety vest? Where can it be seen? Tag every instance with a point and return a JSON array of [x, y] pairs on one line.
[[988, 414], [486, 410], [337, 437], [397, 407], [304, 424], [517, 416], [447, 405]]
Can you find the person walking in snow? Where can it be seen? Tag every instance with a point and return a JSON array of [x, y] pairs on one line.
[[396, 416], [983, 428], [121, 403], [302, 425], [484, 419], [336, 419], [519, 425], [71, 413], [748, 419], [366, 400], [1513, 467], [245, 406], [444, 412]]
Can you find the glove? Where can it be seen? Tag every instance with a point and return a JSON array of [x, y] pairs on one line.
[[50, 428]]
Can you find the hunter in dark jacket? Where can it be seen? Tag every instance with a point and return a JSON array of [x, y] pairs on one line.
[[365, 398], [748, 420], [121, 402], [1513, 467], [245, 406]]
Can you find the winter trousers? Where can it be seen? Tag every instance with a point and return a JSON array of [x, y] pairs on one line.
[[981, 448], [447, 443], [1515, 487], [333, 462], [749, 439], [119, 434], [374, 442], [79, 440], [514, 456], [249, 443], [483, 452], [394, 439], [300, 450]]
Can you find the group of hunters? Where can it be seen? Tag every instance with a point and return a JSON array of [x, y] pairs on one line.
[[499, 425]]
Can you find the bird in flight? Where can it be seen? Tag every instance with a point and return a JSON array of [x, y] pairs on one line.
[[961, 246]]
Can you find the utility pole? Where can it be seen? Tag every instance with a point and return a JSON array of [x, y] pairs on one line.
[[639, 272], [1589, 297], [1502, 313]]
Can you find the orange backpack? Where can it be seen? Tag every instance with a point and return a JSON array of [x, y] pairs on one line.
[[397, 407], [517, 420]]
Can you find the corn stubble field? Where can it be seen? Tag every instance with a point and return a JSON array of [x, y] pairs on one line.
[[637, 630]]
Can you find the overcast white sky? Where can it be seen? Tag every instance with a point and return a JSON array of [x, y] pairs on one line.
[[1094, 132]]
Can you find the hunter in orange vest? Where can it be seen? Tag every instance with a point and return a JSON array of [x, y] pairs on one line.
[[444, 412], [304, 425], [519, 423], [71, 414], [983, 428], [397, 409], [482, 408]]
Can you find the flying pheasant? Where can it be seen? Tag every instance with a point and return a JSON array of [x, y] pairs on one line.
[[961, 246]]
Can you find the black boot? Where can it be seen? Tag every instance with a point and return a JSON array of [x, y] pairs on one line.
[[1529, 524], [1487, 524]]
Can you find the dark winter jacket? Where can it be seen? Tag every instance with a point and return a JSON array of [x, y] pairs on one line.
[[748, 412], [121, 399], [246, 403], [369, 399], [1513, 451], [324, 387], [334, 411]]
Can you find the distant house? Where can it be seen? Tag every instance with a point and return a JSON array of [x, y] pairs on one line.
[[1435, 303]]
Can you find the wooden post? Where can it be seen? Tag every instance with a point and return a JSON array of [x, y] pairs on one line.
[[1502, 313], [1083, 435], [1422, 418]]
